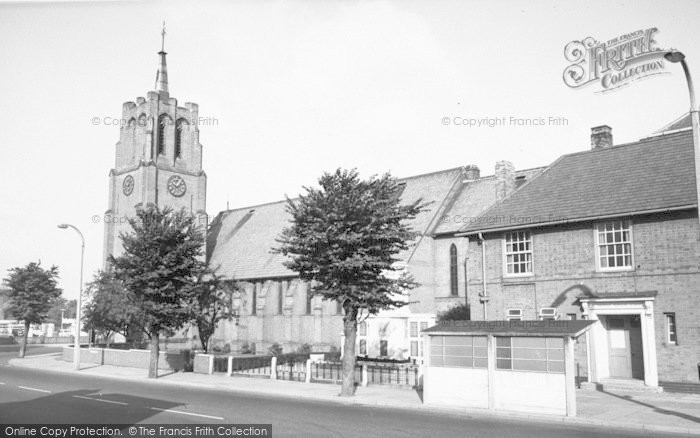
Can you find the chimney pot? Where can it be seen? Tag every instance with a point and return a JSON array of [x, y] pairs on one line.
[[471, 172], [601, 137]]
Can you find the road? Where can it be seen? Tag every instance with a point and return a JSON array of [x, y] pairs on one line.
[[31, 396]]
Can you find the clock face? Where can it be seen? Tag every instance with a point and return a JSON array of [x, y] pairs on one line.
[[128, 185], [176, 186]]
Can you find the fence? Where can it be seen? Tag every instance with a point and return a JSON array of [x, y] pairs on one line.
[[298, 367]]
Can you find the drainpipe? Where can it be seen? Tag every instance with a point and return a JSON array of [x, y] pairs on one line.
[[484, 295], [466, 278]]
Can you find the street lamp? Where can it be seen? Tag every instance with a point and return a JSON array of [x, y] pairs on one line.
[[76, 349], [675, 57]]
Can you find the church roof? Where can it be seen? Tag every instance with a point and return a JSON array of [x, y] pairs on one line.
[[472, 199], [240, 241], [654, 174]]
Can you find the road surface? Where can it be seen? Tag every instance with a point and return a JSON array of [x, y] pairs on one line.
[[31, 396]]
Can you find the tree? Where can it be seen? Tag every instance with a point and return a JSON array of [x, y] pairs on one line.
[[159, 267], [345, 238], [460, 312], [61, 308], [211, 305], [110, 308], [32, 293]]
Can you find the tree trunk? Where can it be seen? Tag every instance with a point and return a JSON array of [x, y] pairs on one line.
[[23, 342], [155, 352], [350, 332]]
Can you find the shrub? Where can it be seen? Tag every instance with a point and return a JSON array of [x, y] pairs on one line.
[[245, 348], [304, 349], [275, 349], [460, 312]]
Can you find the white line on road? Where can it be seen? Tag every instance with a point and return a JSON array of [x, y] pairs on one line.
[[2, 383], [187, 413], [102, 400], [33, 389]]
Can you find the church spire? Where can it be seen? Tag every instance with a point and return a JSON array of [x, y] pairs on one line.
[[162, 75]]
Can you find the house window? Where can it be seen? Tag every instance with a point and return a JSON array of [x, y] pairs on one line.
[[254, 310], [514, 315], [338, 307], [363, 328], [614, 245], [453, 270], [308, 302], [671, 335], [571, 316], [530, 354], [363, 347], [518, 253], [383, 348], [414, 335], [162, 123], [458, 351]]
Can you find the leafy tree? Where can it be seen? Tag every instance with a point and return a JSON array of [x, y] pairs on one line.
[[32, 293], [68, 307], [460, 312], [211, 304], [345, 238], [110, 308], [159, 268]]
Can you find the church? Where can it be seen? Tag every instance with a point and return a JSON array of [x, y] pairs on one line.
[[610, 233]]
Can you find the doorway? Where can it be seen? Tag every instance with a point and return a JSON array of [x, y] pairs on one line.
[[625, 346]]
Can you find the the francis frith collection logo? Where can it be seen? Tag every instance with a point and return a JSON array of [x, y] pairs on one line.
[[613, 63]]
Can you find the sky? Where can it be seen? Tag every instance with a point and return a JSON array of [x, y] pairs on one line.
[[289, 90]]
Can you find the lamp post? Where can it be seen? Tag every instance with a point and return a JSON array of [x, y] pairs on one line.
[[675, 57], [76, 349]]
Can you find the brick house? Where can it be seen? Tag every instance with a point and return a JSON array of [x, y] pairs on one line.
[[609, 234]]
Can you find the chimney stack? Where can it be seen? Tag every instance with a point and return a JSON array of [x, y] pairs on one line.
[[471, 172], [505, 179], [601, 137]]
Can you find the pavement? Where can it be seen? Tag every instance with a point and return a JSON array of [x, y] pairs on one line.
[[650, 412]]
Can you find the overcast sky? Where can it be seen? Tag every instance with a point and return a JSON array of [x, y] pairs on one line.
[[302, 87]]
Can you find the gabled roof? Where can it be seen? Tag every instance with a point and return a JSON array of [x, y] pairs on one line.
[[474, 198], [654, 174], [680, 124], [240, 241]]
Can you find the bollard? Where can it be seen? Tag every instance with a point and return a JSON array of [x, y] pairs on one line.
[[308, 370], [211, 364], [229, 367], [365, 376], [273, 368]]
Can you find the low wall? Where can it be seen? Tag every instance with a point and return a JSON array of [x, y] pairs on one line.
[[167, 361]]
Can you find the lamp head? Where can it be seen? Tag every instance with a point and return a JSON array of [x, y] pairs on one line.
[[62, 226], [674, 56]]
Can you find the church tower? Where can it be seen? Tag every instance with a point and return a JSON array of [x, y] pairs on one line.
[[158, 160]]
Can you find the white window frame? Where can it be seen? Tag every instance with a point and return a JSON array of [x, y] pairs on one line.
[[514, 318], [504, 247], [544, 317], [667, 322], [597, 243], [418, 338]]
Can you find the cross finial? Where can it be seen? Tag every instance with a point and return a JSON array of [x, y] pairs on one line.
[[162, 46]]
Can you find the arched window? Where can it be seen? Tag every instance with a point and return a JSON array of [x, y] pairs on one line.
[[181, 123], [453, 270], [162, 123]]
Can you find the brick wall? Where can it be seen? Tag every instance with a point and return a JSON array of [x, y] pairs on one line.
[[666, 252], [126, 358]]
